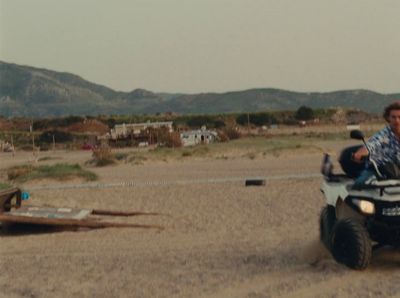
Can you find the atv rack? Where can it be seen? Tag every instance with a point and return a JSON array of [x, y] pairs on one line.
[[12, 211], [382, 186]]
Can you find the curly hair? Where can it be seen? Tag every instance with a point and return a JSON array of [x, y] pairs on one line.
[[393, 106]]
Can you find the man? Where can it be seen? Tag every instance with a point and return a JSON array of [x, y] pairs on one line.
[[384, 146]]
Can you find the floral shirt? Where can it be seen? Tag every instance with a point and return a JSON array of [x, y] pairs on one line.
[[384, 147]]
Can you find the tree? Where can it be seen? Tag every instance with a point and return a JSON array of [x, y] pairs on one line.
[[304, 113], [59, 136], [242, 119], [257, 119], [260, 119]]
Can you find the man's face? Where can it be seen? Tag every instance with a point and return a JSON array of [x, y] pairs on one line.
[[394, 121]]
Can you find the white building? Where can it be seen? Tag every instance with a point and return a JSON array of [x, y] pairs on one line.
[[201, 136], [124, 130]]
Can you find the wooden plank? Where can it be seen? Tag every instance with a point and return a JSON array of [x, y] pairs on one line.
[[8, 191], [51, 212]]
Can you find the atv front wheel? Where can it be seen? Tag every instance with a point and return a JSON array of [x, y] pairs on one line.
[[351, 244], [326, 222]]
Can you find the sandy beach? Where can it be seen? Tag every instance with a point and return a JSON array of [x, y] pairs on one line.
[[220, 238]]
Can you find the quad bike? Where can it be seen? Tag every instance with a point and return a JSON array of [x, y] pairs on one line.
[[358, 219]]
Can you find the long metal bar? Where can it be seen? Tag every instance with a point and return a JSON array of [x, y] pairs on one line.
[[121, 213], [87, 223]]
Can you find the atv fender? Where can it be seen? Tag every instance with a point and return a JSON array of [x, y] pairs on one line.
[[334, 192], [343, 211]]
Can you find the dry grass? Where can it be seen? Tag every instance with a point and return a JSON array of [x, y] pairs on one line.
[[248, 147], [60, 171], [102, 157]]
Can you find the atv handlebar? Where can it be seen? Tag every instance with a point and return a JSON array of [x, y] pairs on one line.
[[358, 135]]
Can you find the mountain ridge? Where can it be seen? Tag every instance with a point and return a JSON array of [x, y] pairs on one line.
[[27, 91]]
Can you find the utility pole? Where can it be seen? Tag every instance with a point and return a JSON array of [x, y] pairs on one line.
[[33, 137], [248, 122], [12, 145], [33, 142]]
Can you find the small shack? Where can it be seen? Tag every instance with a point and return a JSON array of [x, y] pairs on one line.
[[200, 136]]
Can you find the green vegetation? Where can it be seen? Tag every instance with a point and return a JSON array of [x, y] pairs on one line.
[[22, 140], [249, 147], [53, 135], [257, 119], [207, 120], [60, 171], [304, 113], [47, 158], [197, 151], [260, 145], [137, 159], [120, 156], [4, 185], [43, 124]]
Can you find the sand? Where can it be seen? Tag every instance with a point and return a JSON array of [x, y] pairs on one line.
[[220, 239]]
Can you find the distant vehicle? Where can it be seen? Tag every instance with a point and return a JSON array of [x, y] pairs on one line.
[[88, 147], [8, 148]]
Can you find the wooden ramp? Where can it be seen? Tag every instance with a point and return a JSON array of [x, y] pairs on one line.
[[12, 211]]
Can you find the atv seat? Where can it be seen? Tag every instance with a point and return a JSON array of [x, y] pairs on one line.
[[339, 178]]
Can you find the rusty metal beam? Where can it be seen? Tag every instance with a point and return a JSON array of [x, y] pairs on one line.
[[121, 213], [87, 223]]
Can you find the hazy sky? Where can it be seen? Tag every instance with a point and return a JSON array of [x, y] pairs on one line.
[[209, 45]]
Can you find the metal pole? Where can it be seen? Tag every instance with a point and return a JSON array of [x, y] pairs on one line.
[[248, 122], [12, 145]]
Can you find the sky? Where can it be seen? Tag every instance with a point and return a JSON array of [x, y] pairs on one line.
[[195, 46]]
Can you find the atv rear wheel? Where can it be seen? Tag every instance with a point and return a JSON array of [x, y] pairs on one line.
[[351, 244], [326, 222]]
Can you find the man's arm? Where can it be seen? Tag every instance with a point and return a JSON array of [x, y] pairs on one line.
[[374, 145], [360, 154]]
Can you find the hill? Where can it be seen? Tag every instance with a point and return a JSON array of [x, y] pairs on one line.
[[34, 92], [28, 91]]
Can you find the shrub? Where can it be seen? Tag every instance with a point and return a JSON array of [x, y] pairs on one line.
[[186, 153], [137, 159], [102, 156], [120, 156], [222, 136], [19, 171], [232, 133], [169, 139]]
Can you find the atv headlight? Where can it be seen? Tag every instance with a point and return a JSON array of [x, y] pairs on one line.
[[365, 206]]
